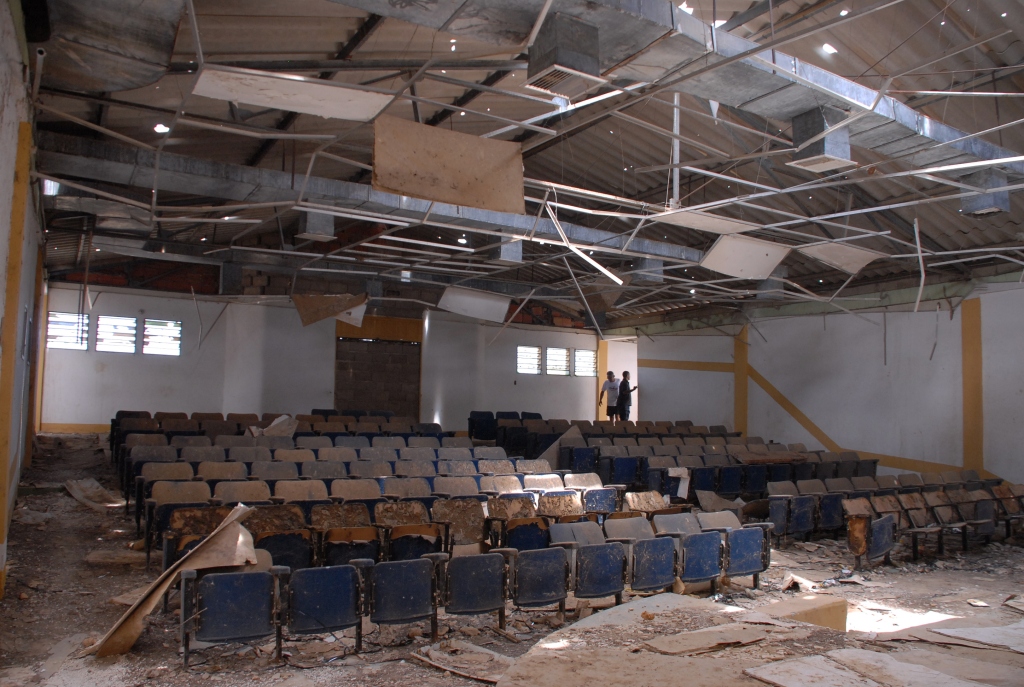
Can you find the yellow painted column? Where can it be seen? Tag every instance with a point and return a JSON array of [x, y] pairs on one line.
[[602, 370], [741, 375], [9, 332], [973, 396]]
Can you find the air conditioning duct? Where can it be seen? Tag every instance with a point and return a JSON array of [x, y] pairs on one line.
[[564, 60]]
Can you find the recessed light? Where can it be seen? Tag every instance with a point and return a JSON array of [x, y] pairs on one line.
[[693, 290], [827, 47], [462, 114], [161, 128], [453, 40], [942, 23], [821, 281], [97, 250], [843, 13], [453, 48], [203, 239], [463, 241], [1003, 14]]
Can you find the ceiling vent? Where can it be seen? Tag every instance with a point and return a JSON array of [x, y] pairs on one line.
[[315, 226], [564, 58], [822, 148], [986, 203]]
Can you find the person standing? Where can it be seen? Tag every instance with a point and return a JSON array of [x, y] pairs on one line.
[[625, 397], [612, 388]]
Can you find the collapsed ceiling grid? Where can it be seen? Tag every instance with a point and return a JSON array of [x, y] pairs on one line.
[[821, 146]]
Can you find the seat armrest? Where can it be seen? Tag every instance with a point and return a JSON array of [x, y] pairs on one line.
[[441, 494]]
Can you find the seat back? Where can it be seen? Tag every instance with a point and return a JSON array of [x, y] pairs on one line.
[[475, 584], [231, 607], [456, 486], [423, 442], [274, 470], [465, 518], [313, 442], [419, 453], [585, 481], [152, 472], [324, 600], [456, 442], [242, 491], [502, 484], [489, 453], [452, 454], [560, 504], [400, 513], [545, 482], [415, 468], [219, 471], [388, 442], [324, 470], [356, 489], [180, 492], [643, 501], [541, 577], [181, 441], [203, 454], [628, 528], [406, 487], [352, 442], [229, 441], [403, 591], [378, 453], [249, 454], [533, 466]]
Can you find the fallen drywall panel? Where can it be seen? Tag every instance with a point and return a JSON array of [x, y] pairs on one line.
[[312, 309], [435, 164], [229, 545], [890, 671], [810, 671], [1008, 636], [708, 639]]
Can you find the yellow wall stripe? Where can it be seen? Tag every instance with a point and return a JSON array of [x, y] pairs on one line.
[[741, 385], [72, 428], [602, 370], [692, 365], [795, 412], [973, 394], [9, 332]]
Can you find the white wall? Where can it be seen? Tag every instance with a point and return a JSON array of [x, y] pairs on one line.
[[253, 358], [705, 398], [461, 371], [1002, 337], [889, 384]]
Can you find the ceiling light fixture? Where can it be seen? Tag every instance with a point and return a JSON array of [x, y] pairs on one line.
[[463, 241], [693, 290], [827, 47], [843, 13], [161, 128]]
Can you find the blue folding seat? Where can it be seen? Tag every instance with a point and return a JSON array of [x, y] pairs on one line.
[[283, 531], [482, 425], [530, 416], [596, 497], [747, 548], [780, 472], [230, 607], [404, 592], [187, 527], [789, 512], [344, 533], [598, 567], [513, 522], [507, 415], [476, 584], [541, 578], [755, 479], [805, 470], [829, 505], [409, 533], [324, 600], [700, 554], [651, 559]]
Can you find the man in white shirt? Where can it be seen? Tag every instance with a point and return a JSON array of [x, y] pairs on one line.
[[612, 387]]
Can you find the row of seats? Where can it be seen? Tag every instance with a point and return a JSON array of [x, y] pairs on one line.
[[582, 558]]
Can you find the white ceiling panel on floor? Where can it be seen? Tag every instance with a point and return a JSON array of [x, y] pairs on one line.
[[289, 92], [744, 257], [842, 256], [705, 221]]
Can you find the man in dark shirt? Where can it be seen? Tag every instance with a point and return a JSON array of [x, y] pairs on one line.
[[625, 396]]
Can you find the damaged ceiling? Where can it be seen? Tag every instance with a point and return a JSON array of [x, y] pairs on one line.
[[710, 156]]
